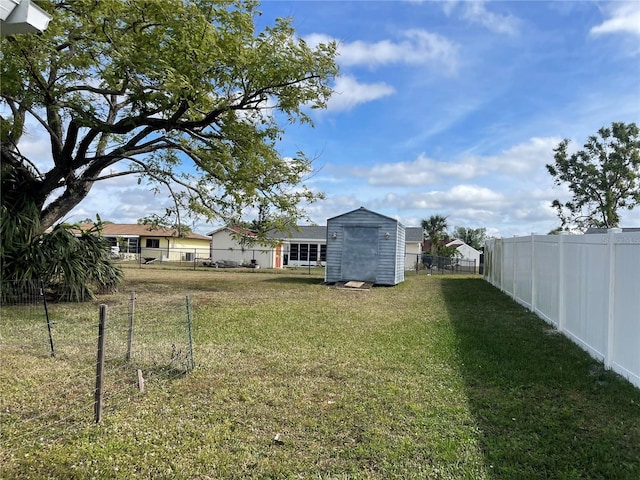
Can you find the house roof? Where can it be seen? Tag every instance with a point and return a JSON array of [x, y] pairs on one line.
[[449, 242], [237, 230], [427, 243], [137, 230], [302, 232], [413, 234]]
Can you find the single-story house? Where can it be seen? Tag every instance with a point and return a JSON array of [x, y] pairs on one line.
[[147, 244], [303, 246], [236, 246]]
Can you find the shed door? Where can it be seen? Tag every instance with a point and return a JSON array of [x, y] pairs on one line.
[[360, 253]]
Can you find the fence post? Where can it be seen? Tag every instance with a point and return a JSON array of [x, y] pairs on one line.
[[611, 246], [192, 364], [533, 272], [503, 278], [562, 314], [100, 364], [514, 282], [132, 309]]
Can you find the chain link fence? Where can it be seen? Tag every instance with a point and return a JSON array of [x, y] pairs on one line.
[[424, 263]]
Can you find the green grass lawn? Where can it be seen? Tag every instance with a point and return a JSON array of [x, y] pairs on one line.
[[439, 377]]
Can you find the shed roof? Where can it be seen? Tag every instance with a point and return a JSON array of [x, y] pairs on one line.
[[363, 209], [238, 230]]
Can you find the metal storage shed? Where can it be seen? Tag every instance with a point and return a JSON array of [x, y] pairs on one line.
[[365, 246]]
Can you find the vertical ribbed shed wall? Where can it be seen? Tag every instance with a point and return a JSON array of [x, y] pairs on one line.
[[389, 268]]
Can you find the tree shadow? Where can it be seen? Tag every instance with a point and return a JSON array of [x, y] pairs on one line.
[[296, 280], [543, 407]]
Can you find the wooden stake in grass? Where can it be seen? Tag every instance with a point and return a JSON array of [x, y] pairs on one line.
[[140, 381]]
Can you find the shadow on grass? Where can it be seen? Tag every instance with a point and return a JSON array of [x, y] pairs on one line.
[[543, 407], [296, 280]]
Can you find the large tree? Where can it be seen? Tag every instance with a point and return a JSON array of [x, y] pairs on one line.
[[603, 178], [474, 237], [185, 94]]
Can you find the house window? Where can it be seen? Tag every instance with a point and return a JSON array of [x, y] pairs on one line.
[[125, 244], [304, 251], [153, 243], [132, 245]]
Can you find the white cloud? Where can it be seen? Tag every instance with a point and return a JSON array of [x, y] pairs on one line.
[[120, 200], [348, 93], [35, 145], [314, 39], [479, 197], [416, 47], [522, 159], [459, 196], [476, 12], [421, 171], [624, 17]]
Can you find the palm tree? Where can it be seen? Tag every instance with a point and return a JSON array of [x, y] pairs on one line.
[[435, 229], [73, 263]]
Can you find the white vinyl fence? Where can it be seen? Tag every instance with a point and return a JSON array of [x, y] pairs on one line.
[[587, 286]]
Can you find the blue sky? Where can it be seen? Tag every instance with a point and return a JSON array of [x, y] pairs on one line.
[[449, 108]]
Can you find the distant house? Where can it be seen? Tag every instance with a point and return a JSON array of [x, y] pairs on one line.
[[414, 237], [145, 243], [366, 246], [238, 246], [466, 253], [303, 246]]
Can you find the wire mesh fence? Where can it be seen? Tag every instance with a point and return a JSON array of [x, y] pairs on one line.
[[423, 263], [46, 397]]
